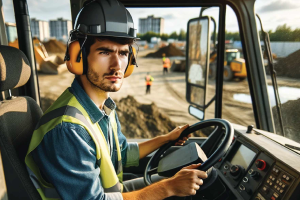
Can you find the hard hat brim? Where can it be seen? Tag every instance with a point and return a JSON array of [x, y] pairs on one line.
[[114, 34]]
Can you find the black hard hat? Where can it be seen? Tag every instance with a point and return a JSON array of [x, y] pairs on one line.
[[105, 18]]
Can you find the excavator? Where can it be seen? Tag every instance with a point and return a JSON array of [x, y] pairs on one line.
[[244, 162], [53, 64]]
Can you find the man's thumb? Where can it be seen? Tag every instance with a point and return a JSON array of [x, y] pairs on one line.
[[193, 166]]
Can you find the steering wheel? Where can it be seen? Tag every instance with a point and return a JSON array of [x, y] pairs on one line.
[[151, 167]]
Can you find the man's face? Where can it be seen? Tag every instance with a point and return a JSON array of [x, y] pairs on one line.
[[107, 62]]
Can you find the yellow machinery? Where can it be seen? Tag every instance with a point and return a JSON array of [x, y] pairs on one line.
[[47, 64], [234, 65]]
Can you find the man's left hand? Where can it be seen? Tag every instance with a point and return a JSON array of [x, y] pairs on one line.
[[174, 135]]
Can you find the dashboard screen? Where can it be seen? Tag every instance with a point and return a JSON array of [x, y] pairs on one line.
[[243, 157]]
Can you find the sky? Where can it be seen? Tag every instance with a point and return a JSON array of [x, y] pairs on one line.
[[272, 12]]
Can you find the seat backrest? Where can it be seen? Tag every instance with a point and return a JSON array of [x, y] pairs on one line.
[[18, 117]]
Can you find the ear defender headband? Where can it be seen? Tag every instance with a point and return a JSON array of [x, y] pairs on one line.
[[75, 51]]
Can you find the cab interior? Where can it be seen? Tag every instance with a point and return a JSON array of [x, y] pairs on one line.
[[247, 162]]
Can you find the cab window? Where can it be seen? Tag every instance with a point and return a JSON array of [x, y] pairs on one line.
[[236, 95], [282, 25]]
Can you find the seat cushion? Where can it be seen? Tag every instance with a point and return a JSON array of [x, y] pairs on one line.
[[18, 118]]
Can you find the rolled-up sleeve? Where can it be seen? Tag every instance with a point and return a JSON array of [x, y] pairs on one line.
[[129, 150], [133, 154], [67, 159]]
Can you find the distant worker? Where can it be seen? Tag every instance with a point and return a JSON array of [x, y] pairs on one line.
[[166, 63], [149, 80]]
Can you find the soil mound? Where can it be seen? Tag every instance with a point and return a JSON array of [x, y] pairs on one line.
[[142, 120], [169, 50], [289, 66], [54, 46], [290, 117]]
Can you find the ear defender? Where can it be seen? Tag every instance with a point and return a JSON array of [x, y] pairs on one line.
[[75, 63], [132, 62], [75, 54]]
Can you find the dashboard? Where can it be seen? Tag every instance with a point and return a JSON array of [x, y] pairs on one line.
[[257, 166]]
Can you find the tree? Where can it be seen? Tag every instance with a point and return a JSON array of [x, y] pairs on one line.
[[173, 35], [182, 35], [282, 33], [235, 36], [164, 36], [147, 36]]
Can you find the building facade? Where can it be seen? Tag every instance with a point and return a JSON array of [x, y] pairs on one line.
[[40, 29], [11, 32], [152, 24], [60, 29]]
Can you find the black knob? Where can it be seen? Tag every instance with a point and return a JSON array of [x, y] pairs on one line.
[[235, 170], [249, 129], [255, 175]]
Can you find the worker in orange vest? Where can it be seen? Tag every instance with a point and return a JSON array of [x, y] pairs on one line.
[[166, 63], [149, 80]]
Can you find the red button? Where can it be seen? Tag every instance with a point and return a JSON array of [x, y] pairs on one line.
[[220, 160], [273, 198]]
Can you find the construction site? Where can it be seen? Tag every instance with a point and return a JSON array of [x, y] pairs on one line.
[[146, 116]]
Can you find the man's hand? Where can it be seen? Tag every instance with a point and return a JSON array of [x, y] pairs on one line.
[[174, 134], [151, 145], [187, 181]]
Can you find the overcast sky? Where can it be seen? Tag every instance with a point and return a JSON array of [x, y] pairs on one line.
[[272, 12]]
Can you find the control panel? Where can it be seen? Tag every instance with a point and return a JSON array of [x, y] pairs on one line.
[[257, 167], [245, 169], [275, 185], [255, 176]]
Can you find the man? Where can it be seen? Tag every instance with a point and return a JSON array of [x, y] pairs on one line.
[[149, 80], [77, 150], [166, 63]]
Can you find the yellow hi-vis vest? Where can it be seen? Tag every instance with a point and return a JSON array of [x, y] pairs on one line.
[[67, 109]]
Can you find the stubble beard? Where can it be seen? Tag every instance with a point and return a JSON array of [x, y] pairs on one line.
[[99, 82]]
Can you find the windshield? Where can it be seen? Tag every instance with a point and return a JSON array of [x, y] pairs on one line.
[[281, 20], [163, 30]]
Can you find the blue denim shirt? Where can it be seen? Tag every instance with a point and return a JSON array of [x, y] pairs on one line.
[[67, 155]]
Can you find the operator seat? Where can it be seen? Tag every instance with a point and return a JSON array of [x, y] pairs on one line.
[[18, 117]]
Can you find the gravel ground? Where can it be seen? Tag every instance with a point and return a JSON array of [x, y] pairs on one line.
[[167, 92]]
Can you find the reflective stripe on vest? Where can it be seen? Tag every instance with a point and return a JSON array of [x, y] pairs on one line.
[[67, 109]]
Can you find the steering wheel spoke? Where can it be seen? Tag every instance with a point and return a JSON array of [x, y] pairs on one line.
[[152, 171]]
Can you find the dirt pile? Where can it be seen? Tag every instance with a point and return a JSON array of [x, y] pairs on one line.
[[290, 117], [169, 50], [54, 46], [288, 66], [142, 120]]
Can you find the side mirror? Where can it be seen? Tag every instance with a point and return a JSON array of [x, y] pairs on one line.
[[196, 112], [197, 62]]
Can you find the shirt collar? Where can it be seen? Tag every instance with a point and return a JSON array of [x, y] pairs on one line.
[[87, 103]]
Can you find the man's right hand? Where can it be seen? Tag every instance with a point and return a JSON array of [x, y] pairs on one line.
[[187, 181]]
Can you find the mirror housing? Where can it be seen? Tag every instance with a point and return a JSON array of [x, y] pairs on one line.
[[197, 63], [196, 112]]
